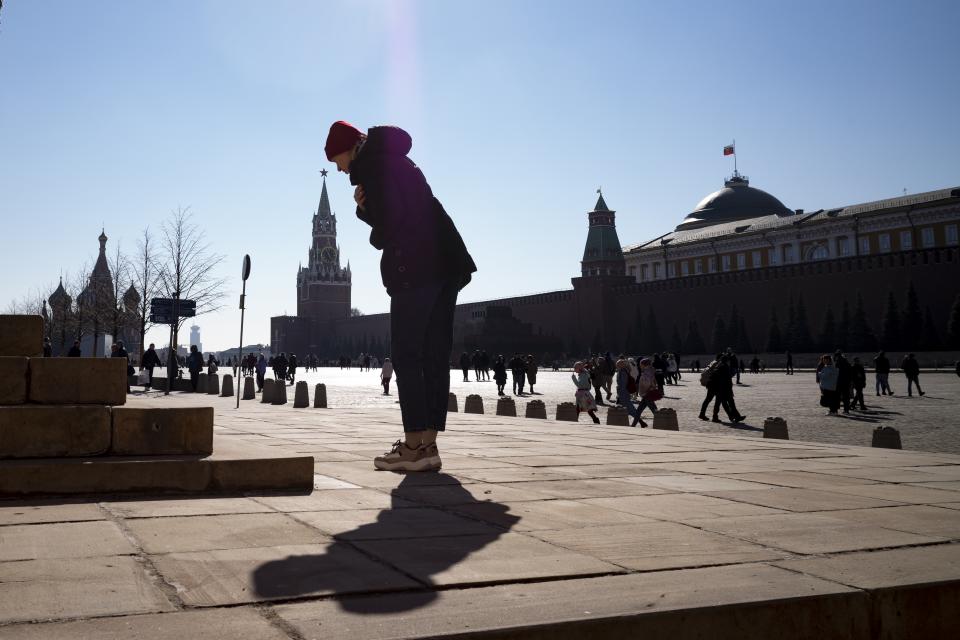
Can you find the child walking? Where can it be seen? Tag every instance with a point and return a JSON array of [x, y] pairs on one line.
[[585, 401]]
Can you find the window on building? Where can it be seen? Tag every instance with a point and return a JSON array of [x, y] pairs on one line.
[[843, 246], [685, 268], [725, 262], [788, 253], [864, 246], [926, 235], [632, 270], [712, 265], [951, 233], [773, 256], [818, 252], [644, 272], [672, 269], [698, 267], [755, 257], [884, 240], [906, 240], [656, 270], [741, 261]]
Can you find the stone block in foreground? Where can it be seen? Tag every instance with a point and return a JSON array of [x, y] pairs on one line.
[[78, 381], [21, 336], [29, 431], [166, 431], [186, 475], [13, 379]]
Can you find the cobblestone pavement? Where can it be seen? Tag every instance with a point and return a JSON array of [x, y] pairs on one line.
[[927, 423]]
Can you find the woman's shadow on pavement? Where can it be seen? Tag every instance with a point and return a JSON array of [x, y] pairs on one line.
[[296, 576]]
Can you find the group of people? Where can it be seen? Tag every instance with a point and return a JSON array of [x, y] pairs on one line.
[[718, 377], [637, 385], [842, 383], [479, 362]]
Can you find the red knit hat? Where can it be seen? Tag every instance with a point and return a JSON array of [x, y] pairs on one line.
[[343, 136]]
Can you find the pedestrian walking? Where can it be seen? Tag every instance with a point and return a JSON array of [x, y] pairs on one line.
[[827, 378], [789, 368], [424, 266], [194, 366], [292, 368], [624, 393], [465, 365], [150, 360], [844, 379], [385, 374], [881, 368], [595, 371], [584, 400], [500, 374], [261, 369], [531, 372], [911, 369], [648, 390], [858, 377]]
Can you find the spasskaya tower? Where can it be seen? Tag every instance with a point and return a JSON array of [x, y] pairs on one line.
[[323, 286]]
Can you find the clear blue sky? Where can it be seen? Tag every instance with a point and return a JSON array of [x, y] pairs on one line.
[[115, 112]]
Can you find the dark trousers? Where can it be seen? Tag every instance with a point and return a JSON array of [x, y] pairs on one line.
[[386, 386], [844, 391], [421, 331], [913, 380], [465, 370], [719, 401], [858, 397], [149, 377], [194, 379]]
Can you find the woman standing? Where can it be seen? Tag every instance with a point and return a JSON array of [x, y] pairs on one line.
[[424, 266], [500, 373], [531, 372], [828, 377]]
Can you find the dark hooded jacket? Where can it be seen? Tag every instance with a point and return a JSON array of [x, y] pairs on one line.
[[420, 243]]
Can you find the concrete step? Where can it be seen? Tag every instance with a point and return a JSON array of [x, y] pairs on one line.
[[21, 335], [78, 381], [47, 431], [155, 475], [13, 379]]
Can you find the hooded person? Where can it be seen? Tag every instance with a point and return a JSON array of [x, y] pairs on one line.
[[423, 266]]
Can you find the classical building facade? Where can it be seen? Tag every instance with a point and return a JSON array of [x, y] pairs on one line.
[[742, 270], [323, 290]]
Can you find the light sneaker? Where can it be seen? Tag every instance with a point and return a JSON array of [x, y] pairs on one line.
[[432, 455], [403, 458]]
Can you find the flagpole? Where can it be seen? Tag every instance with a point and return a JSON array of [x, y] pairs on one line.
[[734, 156]]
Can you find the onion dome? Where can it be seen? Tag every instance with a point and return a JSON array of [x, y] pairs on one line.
[[60, 299], [131, 298]]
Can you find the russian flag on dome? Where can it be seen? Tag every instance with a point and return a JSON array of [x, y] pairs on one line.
[[728, 150]]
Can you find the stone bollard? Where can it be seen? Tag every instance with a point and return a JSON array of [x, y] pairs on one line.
[[536, 409], [506, 407], [279, 392], [618, 416], [666, 419], [202, 383], [775, 428], [301, 396], [213, 384], [452, 403], [474, 404], [249, 389], [320, 396], [886, 438], [567, 411], [226, 390], [267, 396]]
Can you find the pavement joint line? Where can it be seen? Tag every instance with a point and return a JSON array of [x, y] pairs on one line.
[[268, 613], [169, 591]]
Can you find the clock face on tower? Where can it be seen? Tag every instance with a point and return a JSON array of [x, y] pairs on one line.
[[328, 255]]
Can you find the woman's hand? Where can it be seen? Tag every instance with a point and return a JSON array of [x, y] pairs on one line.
[[359, 196]]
